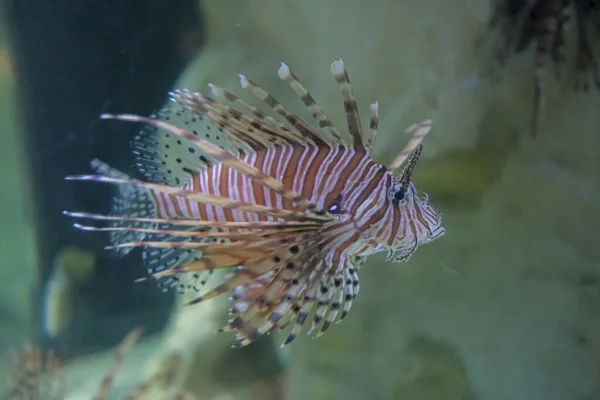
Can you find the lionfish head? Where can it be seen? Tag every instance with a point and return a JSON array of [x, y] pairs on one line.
[[420, 223]]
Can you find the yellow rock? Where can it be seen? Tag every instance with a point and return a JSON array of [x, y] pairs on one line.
[[77, 263]]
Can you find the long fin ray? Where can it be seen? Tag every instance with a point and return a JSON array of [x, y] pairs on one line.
[[280, 291], [253, 133], [260, 257], [373, 125], [130, 201], [194, 222], [252, 235], [313, 282], [351, 284], [219, 201], [261, 116], [285, 294], [262, 131], [338, 71], [238, 278], [255, 260], [292, 297], [418, 131], [336, 301], [300, 126], [333, 136]]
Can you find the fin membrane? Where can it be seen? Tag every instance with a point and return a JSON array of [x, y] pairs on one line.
[[167, 158]]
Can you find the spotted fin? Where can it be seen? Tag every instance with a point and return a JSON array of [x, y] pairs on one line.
[[162, 259], [314, 279], [323, 295], [274, 297], [351, 284], [165, 158]]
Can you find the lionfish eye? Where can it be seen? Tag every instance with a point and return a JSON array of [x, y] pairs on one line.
[[398, 193]]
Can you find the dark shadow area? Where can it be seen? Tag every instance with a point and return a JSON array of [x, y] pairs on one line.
[[76, 60]]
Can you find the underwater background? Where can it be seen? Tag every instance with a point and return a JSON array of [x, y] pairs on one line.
[[504, 306]]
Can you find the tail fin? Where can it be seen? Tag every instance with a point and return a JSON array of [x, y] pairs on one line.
[[130, 201]]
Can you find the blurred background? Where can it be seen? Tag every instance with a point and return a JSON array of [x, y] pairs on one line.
[[504, 306]]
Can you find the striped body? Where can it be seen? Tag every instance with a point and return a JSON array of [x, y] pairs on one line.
[[321, 175]]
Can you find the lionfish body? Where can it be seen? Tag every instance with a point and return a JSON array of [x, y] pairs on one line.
[[291, 209]]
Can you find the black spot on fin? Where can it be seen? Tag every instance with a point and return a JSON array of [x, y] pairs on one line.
[[167, 158]]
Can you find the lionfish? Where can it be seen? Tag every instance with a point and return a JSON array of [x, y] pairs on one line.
[[292, 210]]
